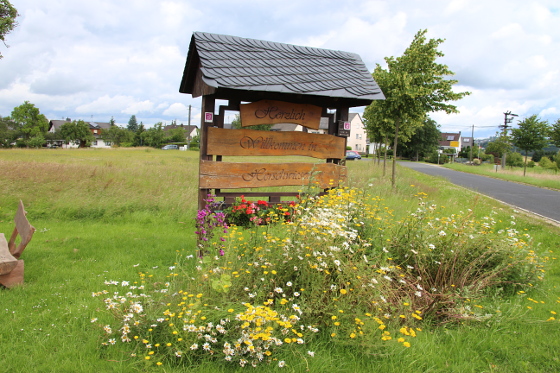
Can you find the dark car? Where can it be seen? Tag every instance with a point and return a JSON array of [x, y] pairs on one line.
[[352, 155]]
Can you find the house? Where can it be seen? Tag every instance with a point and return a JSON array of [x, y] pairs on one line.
[[357, 140], [190, 130], [450, 141], [96, 129], [467, 142]]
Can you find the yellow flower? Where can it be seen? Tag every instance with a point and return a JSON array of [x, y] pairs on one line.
[[352, 335], [343, 291], [159, 363]]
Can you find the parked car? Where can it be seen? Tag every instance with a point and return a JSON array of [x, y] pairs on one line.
[[170, 147], [352, 155]]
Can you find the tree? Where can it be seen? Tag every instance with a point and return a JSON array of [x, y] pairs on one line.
[[378, 133], [77, 131], [132, 124], [36, 141], [555, 133], [414, 85], [117, 135], [424, 141], [29, 120], [531, 135], [138, 139], [499, 146], [112, 122], [8, 134], [177, 134], [154, 136], [8, 22]]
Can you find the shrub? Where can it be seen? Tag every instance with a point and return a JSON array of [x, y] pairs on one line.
[[545, 162], [344, 270], [514, 159]]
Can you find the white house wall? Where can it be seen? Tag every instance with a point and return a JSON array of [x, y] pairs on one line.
[[358, 136]]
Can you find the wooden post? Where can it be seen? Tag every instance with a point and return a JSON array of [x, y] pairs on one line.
[[208, 106]]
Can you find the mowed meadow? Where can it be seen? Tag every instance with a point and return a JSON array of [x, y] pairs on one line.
[[128, 216]]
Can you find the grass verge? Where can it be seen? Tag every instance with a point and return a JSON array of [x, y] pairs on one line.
[[534, 176]]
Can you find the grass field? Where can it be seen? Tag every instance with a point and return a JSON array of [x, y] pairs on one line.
[[536, 176], [107, 215]]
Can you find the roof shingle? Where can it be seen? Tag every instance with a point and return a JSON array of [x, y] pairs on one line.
[[230, 62]]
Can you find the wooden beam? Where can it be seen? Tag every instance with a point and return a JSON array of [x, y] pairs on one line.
[[229, 175], [244, 142]]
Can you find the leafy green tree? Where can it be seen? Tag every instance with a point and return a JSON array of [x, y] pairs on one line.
[[8, 22], [515, 159], [414, 85], [8, 134], [378, 133], [177, 134], [499, 146], [555, 133], [195, 142], [36, 141], [112, 122], [29, 120], [77, 131], [154, 136], [531, 135], [423, 142], [117, 135], [132, 124], [138, 139]]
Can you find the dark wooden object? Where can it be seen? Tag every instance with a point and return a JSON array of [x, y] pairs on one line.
[[11, 269]]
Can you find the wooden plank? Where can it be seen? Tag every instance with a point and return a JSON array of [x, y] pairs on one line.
[[271, 143], [272, 112], [15, 277], [7, 261], [230, 175], [24, 229]]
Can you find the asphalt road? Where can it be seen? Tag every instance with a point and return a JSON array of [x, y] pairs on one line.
[[539, 201]]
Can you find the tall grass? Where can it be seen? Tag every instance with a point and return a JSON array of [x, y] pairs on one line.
[[128, 214], [535, 176]]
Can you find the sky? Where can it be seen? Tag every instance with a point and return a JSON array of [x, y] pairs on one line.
[[94, 60]]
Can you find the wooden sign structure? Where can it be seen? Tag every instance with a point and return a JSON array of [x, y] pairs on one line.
[[270, 82], [273, 112], [215, 174]]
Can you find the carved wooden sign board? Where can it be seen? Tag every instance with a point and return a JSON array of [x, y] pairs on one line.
[[215, 174]]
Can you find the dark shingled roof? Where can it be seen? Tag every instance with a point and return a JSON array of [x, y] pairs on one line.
[[232, 63]]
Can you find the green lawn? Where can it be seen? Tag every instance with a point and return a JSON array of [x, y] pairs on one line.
[[107, 215]]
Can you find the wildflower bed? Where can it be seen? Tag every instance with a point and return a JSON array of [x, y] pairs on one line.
[[344, 270]]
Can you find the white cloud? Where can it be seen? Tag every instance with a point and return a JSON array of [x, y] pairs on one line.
[[177, 110], [112, 58]]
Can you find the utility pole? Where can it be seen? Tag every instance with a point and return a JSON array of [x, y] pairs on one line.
[[508, 118], [472, 144]]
